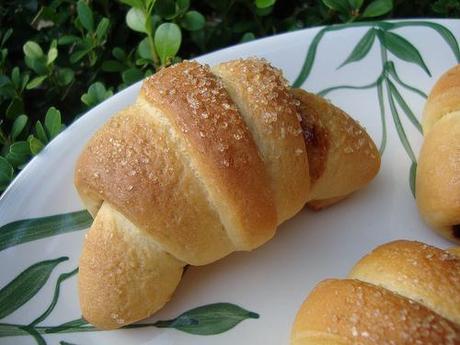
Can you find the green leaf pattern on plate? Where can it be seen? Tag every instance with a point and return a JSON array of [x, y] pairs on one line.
[[218, 317], [22, 288], [209, 319], [388, 80]]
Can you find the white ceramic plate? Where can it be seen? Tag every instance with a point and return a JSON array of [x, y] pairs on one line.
[[38, 299]]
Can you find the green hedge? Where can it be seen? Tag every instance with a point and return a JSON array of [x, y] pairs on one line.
[[60, 58]]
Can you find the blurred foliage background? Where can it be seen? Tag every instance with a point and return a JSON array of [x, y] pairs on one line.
[[59, 58]]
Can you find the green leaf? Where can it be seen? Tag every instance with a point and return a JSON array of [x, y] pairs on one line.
[[18, 126], [96, 94], [182, 6], [355, 4], [15, 108], [79, 54], [53, 122], [263, 12], [362, 48], [112, 66], [36, 82], [35, 145], [68, 39], [193, 21], [32, 50], [41, 133], [143, 49], [52, 55], [16, 77], [248, 36], [6, 36], [264, 3], [341, 6], [166, 9], [6, 172], [85, 15], [119, 53], [19, 148], [412, 177], [65, 76], [132, 75], [22, 288], [27, 230], [209, 319], [133, 3], [102, 29], [403, 49], [167, 41], [37, 65], [378, 8], [135, 19]]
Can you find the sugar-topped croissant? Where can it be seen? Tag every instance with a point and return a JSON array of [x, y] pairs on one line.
[[402, 293], [438, 171], [204, 163]]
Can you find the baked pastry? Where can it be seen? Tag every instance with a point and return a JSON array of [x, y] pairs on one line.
[[204, 163], [438, 171], [403, 292]]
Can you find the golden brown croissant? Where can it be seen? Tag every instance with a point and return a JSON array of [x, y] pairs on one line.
[[206, 162], [403, 292], [438, 171]]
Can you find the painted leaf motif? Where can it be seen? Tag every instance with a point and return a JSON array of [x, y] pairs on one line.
[[57, 291], [309, 59], [444, 32], [399, 127], [27, 230], [412, 177], [209, 319], [403, 49], [22, 288], [390, 67], [72, 326], [404, 106], [362, 48]]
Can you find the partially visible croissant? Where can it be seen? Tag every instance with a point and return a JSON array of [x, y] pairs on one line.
[[438, 171], [402, 293], [206, 162]]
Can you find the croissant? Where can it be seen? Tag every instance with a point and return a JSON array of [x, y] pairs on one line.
[[204, 163], [438, 171], [403, 292]]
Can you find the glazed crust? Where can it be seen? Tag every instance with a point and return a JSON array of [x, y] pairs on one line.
[[219, 145], [189, 174], [423, 273], [443, 98], [348, 312], [123, 275], [270, 111], [342, 157], [403, 292], [438, 170]]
